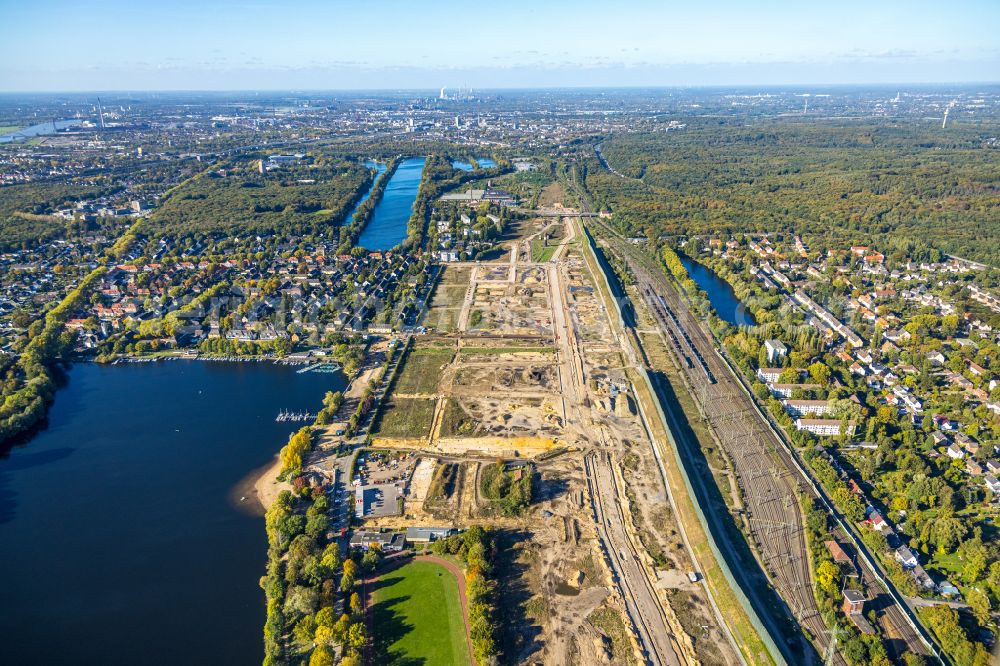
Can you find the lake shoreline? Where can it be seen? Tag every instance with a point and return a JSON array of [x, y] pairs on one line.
[[163, 470], [256, 492]]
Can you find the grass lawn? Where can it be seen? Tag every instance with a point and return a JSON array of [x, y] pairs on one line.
[[442, 319], [421, 370], [418, 617], [948, 565], [406, 417], [449, 295], [541, 253]]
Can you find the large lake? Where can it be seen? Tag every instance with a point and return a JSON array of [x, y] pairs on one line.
[[120, 542], [722, 297], [388, 224]]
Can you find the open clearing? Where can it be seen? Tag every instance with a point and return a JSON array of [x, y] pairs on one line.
[[540, 252], [421, 370], [406, 418], [446, 304], [419, 616]]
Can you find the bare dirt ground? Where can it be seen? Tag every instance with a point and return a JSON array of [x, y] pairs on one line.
[[536, 372], [551, 195], [358, 386]]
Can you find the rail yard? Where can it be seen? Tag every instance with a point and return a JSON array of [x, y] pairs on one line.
[[769, 484]]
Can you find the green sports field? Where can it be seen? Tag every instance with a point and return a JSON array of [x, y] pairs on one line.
[[418, 617]]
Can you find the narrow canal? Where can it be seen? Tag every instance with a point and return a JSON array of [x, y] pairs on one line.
[[379, 170], [480, 162]]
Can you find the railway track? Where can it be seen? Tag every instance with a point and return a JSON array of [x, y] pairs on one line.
[[642, 605], [769, 479], [666, 314], [896, 619], [768, 491]]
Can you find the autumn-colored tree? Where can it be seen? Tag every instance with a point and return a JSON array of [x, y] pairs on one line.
[[820, 373], [827, 575], [321, 656], [340, 629], [325, 617], [355, 604], [293, 453], [979, 602], [324, 635], [357, 637]]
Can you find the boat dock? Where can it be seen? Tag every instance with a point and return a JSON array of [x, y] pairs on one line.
[[285, 416], [325, 366]]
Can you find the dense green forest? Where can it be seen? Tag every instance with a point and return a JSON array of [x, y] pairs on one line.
[[29, 383], [304, 198], [26, 211], [842, 180]]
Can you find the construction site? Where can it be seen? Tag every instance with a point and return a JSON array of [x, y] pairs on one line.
[[520, 365]]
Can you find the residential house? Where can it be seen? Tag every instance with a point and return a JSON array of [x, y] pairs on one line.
[[906, 557], [776, 350], [804, 407], [823, 427]]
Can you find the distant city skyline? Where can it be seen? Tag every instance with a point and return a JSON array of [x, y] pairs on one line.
[[261, 45]]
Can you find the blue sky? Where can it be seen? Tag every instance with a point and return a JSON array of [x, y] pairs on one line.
[[272, 44]]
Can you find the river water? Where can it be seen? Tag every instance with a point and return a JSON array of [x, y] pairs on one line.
[[120, 540], [38, 130], [388, 224], [722, 297], [379, 170]]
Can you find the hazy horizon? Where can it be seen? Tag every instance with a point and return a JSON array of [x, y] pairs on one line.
[[785, 87], [239, 45]]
